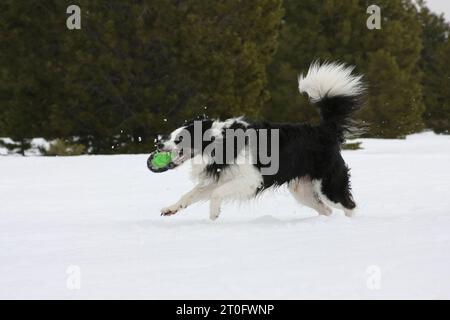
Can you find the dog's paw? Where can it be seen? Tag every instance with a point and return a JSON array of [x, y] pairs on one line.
[[349, 213], [169, 211], [325, 211], [214, 215]]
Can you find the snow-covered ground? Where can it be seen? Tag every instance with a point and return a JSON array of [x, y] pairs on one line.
[[94, 221], [34, 150]]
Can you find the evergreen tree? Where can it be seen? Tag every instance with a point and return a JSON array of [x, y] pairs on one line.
[[133, 64], [437, 115], [435, 70], [137, 68], [30, 67], [336, 30], [139, 63]]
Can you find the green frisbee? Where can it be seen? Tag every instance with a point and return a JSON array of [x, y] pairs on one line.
[[161, 160]]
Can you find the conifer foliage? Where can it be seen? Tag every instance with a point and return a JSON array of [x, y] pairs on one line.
[[136, 68], [141, 67], [336, 30]]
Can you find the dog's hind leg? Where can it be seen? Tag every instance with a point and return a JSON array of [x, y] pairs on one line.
[[336, 193], [200, 192], [304, 192]]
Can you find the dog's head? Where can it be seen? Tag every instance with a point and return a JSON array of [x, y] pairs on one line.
[[186, 141]]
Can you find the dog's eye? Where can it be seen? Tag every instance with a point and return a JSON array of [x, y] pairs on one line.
[[178, 140]]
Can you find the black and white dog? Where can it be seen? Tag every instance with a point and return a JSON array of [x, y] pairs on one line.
[[310, 161]]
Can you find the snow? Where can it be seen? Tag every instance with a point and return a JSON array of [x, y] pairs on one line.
[[36, 144], [94, 221]]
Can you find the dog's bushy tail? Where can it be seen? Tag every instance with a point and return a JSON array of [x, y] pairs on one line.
[[337, 93]]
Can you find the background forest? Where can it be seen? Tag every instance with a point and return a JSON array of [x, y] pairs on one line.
[[138, 68]]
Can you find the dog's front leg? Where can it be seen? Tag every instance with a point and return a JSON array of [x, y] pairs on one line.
[[235, 189], [199, 192]]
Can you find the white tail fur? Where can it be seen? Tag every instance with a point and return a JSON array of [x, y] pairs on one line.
[[329, 80]]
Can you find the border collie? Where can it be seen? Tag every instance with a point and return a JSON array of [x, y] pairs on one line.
[[310, 161]]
